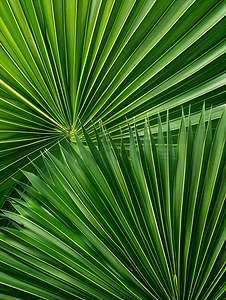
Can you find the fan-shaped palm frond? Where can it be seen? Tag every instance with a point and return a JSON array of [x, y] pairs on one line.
[[107, 224], [65, 61]]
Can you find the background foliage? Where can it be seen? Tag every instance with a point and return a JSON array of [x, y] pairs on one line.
[[67, 63]]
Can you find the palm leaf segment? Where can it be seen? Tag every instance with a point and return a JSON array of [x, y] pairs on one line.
[[148, 224], [65, 61]]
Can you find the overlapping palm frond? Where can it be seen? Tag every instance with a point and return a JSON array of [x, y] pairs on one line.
[[108, 224], [68, 61]]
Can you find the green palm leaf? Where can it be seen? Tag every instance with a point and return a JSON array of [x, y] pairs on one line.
[[68, 61], [108, 224]]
